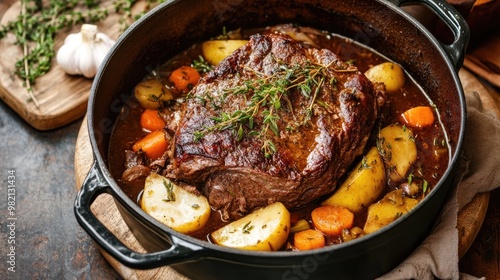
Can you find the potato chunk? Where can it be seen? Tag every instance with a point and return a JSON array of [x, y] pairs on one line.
[[363, 186], [151, 93], [265, 229], [173, 206], [387, 210], [397, 146], [216, 50], [388, 73]]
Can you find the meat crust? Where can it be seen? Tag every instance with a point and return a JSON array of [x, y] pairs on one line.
[[315, 140]]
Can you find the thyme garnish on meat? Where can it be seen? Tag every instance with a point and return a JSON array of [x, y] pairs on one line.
[[267, 94]]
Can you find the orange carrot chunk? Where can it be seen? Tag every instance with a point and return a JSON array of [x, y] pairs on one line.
[[332, 219], [420, 116], [151, 120], [308, 239], [153, 145], [184, 78]]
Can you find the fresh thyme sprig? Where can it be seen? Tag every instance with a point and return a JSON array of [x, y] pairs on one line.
[[267, 94], [39, 22]]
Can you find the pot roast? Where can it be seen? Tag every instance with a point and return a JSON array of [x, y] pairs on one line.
[[286, 142]]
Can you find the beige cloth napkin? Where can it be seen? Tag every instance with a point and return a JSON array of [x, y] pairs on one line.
[[478, 171]]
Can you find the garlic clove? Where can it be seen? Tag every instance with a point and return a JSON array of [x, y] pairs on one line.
[[86, 64], [66, 55]]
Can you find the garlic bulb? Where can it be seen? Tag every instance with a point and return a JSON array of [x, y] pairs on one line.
[[83, 52]]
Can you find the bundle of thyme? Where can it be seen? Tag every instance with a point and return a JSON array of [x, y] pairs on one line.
[[39, 21]]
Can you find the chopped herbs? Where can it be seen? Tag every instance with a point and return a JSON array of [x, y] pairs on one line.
[[170, 191], [364, 164], [247, 228], [384, 150], [410, 179], [425, 186]]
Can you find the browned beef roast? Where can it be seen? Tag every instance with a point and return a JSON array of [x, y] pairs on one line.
[[311, 132]]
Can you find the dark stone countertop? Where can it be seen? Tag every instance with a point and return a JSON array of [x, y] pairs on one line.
[[48, 242]]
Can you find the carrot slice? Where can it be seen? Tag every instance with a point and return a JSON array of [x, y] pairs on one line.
[[332, 219], [184, 78], [308, 239], [154, 144], [420, 116], [151, 120]]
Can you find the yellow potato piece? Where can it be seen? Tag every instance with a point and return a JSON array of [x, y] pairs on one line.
[[173, 206], [363, 186], [388, 73], [216, 50], [397, 146], [387, 210], [151, 92], [265, 229]]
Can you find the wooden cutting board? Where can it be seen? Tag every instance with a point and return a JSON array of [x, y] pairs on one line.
[[62, 98], [470, 219]]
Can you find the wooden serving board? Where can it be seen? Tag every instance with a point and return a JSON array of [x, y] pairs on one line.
[[470, 219], [62, 98]]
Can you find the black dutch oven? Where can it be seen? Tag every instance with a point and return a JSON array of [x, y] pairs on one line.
[[176, 25]]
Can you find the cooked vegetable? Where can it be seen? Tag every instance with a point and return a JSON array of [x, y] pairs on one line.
[[332, 219], [308, 239], [300, 225], [365, 184], [151, 120], [388, 73], [216, 50], [420, 116], [151, 93], [174, 206], [352, 233], [397, 146], [265, 229], [391, 207], [184, 78], [153, 145]]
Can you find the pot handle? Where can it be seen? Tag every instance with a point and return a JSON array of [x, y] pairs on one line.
[[457, 24], [93, 186]]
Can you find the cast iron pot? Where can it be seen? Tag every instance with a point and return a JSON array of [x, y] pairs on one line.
[[176, 25]]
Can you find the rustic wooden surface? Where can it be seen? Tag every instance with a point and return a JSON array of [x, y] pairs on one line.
[[470, 219], [62, 98]]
